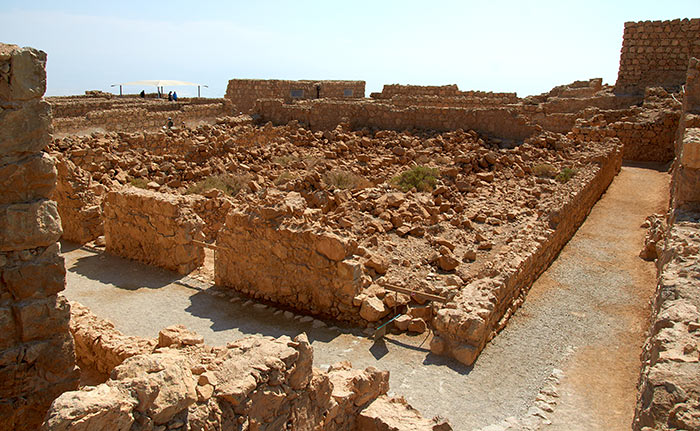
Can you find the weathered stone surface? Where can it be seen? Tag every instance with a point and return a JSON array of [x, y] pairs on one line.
[[94, 408], [25, 130], [395, 414], [31, 179], [178, 335], [27, 77], [155, 228], [29, 225], [373, 309]]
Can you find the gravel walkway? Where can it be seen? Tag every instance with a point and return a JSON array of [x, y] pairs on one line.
[[585, 315]]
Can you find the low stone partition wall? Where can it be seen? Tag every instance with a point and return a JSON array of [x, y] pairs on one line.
[[154, 228], [482, 308], [177, 382], [79, 200], [265, 257], [131, 114], [497, 122], [37, 359]]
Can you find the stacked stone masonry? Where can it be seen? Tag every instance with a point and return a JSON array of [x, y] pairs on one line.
[[256, 383], [669, 385], [154, 228], [244, 92], [656, 53], [83, 114], [37, 360]]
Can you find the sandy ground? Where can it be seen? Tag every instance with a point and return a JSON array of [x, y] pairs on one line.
[[586, 315]]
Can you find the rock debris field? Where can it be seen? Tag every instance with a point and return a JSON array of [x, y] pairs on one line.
[[562, 331]]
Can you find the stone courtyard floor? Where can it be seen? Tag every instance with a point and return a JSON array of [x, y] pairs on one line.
[[583, 322]]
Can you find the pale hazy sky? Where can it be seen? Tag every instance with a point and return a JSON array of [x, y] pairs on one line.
[[523, 46]]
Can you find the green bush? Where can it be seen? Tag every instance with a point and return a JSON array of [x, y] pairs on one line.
[[344, 180], [565, 175], [422, 178], [227, 183], [544, 170]]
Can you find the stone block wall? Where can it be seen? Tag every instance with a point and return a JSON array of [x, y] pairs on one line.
[[392, 91], [154, 228], [500, 122], [244, 92], [656, 53], [37, 360], [263, 257], [669, 385], [129, 114]]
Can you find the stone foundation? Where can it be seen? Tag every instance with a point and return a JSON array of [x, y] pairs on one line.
[[37, 360]]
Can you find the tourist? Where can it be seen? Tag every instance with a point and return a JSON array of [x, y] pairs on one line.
[[175, 96], [142, 94], [170, 96], [170, 123]]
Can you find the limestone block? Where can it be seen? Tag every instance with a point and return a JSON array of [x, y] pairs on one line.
[[24, 129], [29, 179], [41, 318], [395, 414], [27, 75], [38, 278], [29, 225], [691, 149], [99, 408]]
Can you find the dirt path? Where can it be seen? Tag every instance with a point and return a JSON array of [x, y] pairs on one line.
[[586, 315]]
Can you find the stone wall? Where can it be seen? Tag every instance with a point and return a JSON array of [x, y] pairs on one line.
[[392, 91], [310, 270], [500, 122], [255, 383], [79, 114], [37, 361], [154, 228], [656, 53], [669, 385], [244, 92], [79, 200]]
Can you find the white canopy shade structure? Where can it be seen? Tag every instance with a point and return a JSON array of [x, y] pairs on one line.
[[160, 83]]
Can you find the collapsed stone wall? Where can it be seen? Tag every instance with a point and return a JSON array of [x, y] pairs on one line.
[[500, 122], [37, 360], [154, 228], [669, 384], [78, 115], [313, 271], [244, 92], [656, 53], [261, 383]]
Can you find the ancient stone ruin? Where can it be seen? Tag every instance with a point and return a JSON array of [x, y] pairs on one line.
[[425, 208]]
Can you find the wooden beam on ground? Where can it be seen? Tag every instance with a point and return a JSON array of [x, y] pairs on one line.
[[412, 292]]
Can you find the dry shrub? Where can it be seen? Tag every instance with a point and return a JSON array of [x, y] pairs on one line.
[[344, 180], [565, 175], [544, 170], [227, 183]]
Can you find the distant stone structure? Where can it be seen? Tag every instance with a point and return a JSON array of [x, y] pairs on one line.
[[244, 92]]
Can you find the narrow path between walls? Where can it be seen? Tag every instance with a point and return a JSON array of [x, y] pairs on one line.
[[568, 359]]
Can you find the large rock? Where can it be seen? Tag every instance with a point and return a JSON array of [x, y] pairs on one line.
[[101, 408], [395, 414], [29, 225]]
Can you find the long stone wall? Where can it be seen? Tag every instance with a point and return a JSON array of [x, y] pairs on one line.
[[128, 114], [669, 385], [37, 360], [500, 122], [244, 92], [656, 53], [154, 228], [392, 91], [313, 271]]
